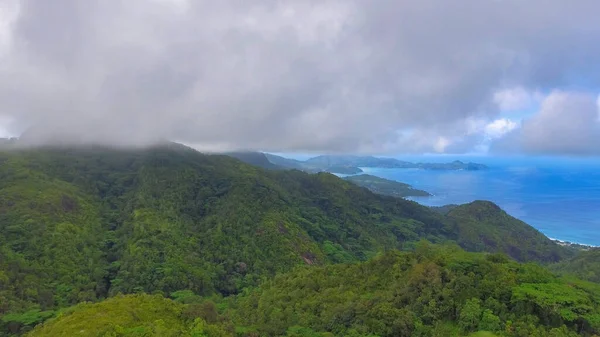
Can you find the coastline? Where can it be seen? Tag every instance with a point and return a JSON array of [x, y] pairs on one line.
[[578, 245]]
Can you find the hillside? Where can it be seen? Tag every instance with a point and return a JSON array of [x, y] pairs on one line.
[[83, 224], [483, 226], [434, 291], [585, 265], [255, 158], [386, 186]]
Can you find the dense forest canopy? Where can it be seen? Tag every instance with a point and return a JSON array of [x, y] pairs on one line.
[[86, 224]]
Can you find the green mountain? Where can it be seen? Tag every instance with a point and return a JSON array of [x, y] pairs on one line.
[[433, 291], [84, 224], [483, 226], [385, 186]]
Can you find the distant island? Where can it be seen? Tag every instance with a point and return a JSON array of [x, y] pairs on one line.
[[386, 187], [343, 164]]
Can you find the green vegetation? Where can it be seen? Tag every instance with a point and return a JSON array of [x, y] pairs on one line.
[[585, 265], [433, 291], [483, 226], [86, 224], [385, 186], [133, 315]]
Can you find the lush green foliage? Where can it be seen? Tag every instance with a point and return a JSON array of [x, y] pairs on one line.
[[483, 226], [86, 224], [435, 291], [585, 265], [134, 315]]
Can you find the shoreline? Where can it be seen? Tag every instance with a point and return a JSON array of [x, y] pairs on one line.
[[573, 244]]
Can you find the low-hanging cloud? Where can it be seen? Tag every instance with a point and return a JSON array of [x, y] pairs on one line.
[[331, 76]]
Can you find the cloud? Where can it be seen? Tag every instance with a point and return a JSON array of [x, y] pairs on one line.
[[567, 123], [517, 98], [329, 76], [500, 127]]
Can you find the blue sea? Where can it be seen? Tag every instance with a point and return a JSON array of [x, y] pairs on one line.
[[558, 196]]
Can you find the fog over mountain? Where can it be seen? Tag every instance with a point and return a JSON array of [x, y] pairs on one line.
[[334, 76]]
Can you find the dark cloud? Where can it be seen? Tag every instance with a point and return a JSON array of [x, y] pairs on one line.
[[332, 76]]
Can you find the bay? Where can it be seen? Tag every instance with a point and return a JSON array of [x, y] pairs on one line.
[[558, 196]]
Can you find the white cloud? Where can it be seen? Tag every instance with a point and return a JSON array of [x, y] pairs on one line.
[[5, 123], [500, 127]]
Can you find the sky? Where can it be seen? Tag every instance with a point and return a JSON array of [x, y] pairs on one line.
[[303, 76]]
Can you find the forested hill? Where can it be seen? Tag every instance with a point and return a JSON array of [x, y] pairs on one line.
[[87, 223]]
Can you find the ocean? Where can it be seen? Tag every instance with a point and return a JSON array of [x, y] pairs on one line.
[[559, 197]]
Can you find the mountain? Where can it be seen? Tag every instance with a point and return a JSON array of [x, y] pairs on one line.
[[358, 161], [433, 291], [385, 186], [483, 226], [285, 162], [84, 224]]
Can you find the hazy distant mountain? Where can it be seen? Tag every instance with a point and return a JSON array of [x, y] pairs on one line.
[[358, 161], [285, 162], [326, 161], [255, 158]]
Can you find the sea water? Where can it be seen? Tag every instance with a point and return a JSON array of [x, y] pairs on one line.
[[558, 196]]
